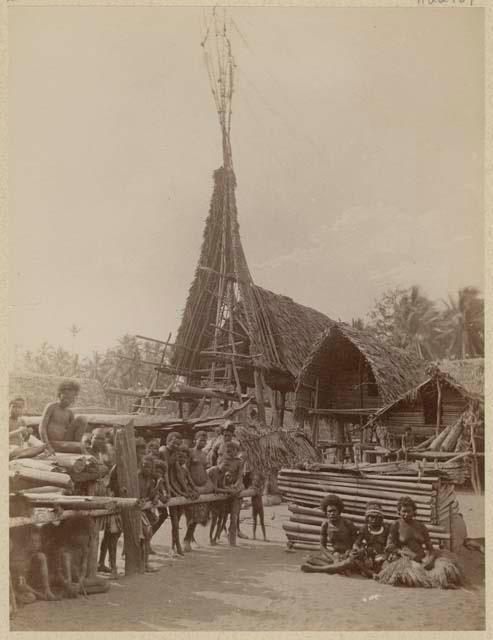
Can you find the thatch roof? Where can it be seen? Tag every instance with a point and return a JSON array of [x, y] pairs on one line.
[[465, 376], [295, 328], [395, 370], [38, 390]]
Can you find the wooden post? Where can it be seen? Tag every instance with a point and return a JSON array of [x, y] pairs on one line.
[[315, 417], [273, 404], [128, 481], [282, 408], [259, 395], [439, 406]]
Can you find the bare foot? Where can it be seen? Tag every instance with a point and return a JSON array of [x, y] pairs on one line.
[[150, 569], [102, 568], [213, 543], [114, 575], [266, 539], [187, 546], [49, 595]]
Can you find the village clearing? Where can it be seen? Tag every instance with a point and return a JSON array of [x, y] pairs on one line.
[[259, 587]]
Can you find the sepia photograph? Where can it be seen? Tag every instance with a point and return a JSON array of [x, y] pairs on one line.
[[246, 318]]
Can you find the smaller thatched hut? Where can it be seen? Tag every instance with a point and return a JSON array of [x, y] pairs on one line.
[[347, 377], [451, 388], [39, 389]]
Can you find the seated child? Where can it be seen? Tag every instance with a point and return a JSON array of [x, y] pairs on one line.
[[368, 552], [58, 424]]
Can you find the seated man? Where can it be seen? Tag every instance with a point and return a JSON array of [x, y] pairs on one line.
[[58, 424]]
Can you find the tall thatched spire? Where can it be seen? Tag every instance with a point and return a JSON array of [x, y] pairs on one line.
[[222, 290]]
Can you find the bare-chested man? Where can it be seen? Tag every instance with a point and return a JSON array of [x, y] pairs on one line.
[[58, 424], [198, 514]]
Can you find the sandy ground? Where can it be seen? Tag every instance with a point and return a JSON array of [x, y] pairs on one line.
[[259, 587]]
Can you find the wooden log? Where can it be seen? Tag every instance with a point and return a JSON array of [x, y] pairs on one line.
[[350, 503], [62, 446], [354, 506], [128, 482], [56, 516], [363, 482], [72, 502], [43, 489], [40, 478], [28, 452], [453, 435], [374, 493], [72, 462]]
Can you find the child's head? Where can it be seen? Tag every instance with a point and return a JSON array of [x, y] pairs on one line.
[[230, 449], [374, 514], [147, 465], [153, 447], [200, 439], [16, 407], [98, 439], [183, 454], [173, 441], [228, 431], [406, 508], [332, 506], [67, 392]]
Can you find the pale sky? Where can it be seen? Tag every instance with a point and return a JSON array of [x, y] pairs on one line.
[[357, 140]]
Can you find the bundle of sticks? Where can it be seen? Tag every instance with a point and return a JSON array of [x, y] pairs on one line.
[[435, 500]]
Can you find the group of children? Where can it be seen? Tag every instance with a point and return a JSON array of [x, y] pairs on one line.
[[399, 554], [51, 568]]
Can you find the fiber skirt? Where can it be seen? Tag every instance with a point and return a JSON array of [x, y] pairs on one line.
[[405, 572], [198, 513]]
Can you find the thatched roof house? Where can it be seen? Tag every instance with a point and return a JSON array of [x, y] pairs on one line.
[[355, 370], [38, 390], [347, 376], [461, 385]]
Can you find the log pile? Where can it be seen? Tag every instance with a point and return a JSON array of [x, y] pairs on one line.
[[434, 497]]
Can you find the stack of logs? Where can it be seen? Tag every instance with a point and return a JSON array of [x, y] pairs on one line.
[[435, 499]]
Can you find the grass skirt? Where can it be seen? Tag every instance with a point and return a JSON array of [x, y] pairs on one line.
[[198, 513], [405, 572]]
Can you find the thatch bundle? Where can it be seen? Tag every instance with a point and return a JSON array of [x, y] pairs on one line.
[[269, 450]]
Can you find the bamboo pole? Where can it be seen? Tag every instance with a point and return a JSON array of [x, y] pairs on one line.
[[439, 406], [126, 467], [363, 482], [259, 394]]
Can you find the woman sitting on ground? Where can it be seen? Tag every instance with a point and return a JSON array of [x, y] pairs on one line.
[[412, 561], [337, 536], [368, 551]]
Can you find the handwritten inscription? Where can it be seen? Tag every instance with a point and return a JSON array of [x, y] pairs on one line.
[[449, 3]]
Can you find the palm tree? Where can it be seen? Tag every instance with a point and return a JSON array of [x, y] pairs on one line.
[[417, 324], [464, 324]]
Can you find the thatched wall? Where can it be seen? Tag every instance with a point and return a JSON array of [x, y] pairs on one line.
[[38, 390]]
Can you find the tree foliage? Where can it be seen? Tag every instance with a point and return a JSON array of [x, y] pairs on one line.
[[127, 365], [408, 319]]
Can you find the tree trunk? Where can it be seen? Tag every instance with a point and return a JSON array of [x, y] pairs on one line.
[[126, 468]]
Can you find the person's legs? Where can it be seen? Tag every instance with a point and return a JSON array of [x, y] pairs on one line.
[[39, 565], [112, 548], [261, 516], [235, 510], [76, 430], [187, 542], [103, 551], [175, 530]]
